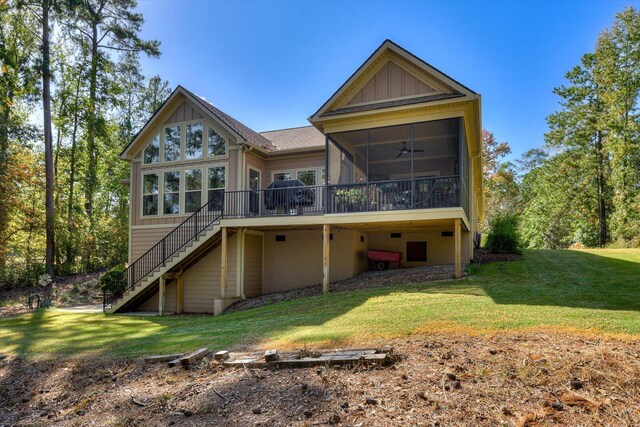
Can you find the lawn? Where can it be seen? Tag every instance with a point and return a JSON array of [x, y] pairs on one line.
[[595, 291]]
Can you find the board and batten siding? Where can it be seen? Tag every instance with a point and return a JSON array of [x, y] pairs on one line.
[[171, 301], [252, 265]]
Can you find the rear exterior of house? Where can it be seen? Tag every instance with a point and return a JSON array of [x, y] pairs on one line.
[[219, 212]]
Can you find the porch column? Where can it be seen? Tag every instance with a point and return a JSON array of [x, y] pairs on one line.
[[326, 245], [458, 247], [180, 294], [223, 263], [326, 237], [240, 263], [162, 295]]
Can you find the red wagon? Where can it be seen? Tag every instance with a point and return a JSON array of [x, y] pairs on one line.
[[382, 259]]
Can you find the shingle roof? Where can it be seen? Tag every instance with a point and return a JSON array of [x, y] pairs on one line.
[[294, 138], [242, 130]]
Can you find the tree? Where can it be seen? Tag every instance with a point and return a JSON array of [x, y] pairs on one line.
[[18, 75], [498, 177], [105, 26], [617, 70], [577, 130]]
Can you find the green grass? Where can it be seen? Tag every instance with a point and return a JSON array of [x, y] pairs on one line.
[[591, 291]]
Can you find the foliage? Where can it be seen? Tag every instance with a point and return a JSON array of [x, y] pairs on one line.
[[498, 178], [112, 279], [504, 235], [99, 99]]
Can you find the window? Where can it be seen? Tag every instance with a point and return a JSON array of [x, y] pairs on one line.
[[307, 177], [216, 144], [416, 251], [193, 149], [150, 194], [152, 152], [171, 193], [216, 186], [282, 176], [192, 190], [172, 143]]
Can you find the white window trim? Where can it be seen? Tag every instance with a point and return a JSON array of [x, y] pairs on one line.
[[294, 173], [180, 168], [248, 177], [142, 194], [206, 124]]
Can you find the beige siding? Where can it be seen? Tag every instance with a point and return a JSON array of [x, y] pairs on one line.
[[390, 82], [152, 303], [359, 252], [292, 163], [202, 281], [142, 239], [184, 113], [440, 250], [297, 262], [252, 265]]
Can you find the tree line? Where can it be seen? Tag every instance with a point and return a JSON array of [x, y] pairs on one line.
[[72, 94], [582, 187]]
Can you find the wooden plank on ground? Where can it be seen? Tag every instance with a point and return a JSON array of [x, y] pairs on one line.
[[221, 355], [334, 357], [163, 358], [195, 356]]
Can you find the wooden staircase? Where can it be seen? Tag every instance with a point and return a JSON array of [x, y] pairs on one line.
[[198, 233]]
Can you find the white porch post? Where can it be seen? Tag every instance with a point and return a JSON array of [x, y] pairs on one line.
[[458, 247], [223, 263]]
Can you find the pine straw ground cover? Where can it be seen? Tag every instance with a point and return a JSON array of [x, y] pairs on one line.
[[515, 379]]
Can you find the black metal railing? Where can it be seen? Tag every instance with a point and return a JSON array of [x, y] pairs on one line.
[[417, 193], [158, 255], [274, 202]]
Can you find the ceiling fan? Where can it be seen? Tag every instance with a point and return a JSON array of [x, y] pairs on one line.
[[404, 149]]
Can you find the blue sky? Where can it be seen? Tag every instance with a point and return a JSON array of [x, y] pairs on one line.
[[272, 64]]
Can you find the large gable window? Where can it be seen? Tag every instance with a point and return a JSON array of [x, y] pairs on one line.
[[152, 152], [172, 143], [171, 195], [150, 194], [216, 186], [192, 190], [216, 144], [193, 149]]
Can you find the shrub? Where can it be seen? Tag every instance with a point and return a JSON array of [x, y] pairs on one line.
[[16, 276], [503, 235], [111, 281]]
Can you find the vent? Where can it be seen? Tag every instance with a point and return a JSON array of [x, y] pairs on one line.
[[362, 239], [396, 235], [447, 234], [280, 237]]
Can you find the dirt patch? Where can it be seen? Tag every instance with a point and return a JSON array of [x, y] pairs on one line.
[[483, 255], [366, 280], [79, 289], [512, 379]]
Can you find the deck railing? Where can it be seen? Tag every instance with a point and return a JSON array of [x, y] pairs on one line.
[[417, 193], [274, 202]]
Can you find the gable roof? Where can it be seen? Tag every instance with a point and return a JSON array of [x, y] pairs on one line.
[[458, 89], [241, 129], [295, 138], [234, 126]]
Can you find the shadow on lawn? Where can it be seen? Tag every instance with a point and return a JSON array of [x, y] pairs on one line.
[[544, 278]]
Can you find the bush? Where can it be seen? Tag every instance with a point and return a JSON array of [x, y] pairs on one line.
[[111, 281], [504, 236], [17, 276]]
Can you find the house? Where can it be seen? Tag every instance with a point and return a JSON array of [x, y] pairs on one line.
[[390, 162]]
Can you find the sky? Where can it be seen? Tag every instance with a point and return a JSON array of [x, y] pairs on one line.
[[273, 64]]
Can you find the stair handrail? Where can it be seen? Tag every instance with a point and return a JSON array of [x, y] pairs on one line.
[[188, 230]]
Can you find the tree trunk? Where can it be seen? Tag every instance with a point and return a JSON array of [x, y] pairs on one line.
[[602, 203], [70, 255], [4, 182], [48, 143]]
